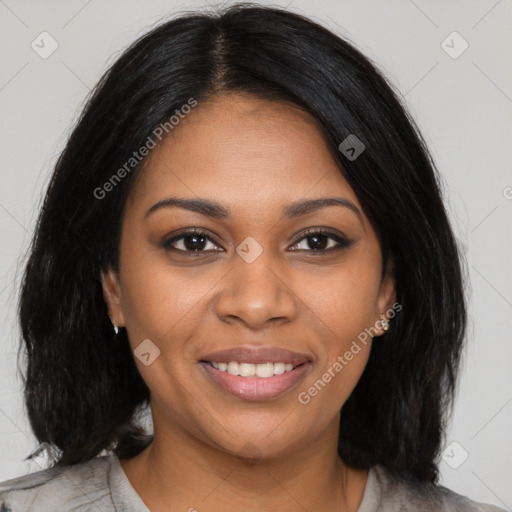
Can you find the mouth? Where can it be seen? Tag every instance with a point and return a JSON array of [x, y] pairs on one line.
[[255, 374], [261, 370]]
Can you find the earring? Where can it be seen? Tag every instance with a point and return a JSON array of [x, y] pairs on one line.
[[116, 328], [384, 323]]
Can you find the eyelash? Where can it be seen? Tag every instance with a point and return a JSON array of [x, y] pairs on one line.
[[342, 242]]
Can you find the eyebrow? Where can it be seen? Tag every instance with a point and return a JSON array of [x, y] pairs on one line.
[[217, 211]]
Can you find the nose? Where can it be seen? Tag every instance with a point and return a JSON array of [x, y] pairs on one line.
[[255, 294]]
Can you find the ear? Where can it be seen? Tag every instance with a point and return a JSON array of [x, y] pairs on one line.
[[112, 295], [387, 297]]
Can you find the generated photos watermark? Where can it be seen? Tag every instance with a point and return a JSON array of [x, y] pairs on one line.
[[137, 156], [304, 397]]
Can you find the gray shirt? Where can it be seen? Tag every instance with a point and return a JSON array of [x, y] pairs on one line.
[[100, 485]]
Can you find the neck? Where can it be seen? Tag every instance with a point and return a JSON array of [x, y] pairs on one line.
[[180, 472]]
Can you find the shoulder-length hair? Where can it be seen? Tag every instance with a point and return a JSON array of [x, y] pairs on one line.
[[82, 390]]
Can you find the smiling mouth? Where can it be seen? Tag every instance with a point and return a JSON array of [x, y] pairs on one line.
[[261, 370], [268, 382], [255, 373]]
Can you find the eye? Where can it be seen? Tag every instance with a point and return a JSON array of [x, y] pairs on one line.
[[320, 240], [313, 240], [191, 241]]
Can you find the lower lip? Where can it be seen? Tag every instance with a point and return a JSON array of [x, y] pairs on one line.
[[256, 388]]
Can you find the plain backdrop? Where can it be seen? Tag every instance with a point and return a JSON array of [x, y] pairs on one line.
[[462, 101]]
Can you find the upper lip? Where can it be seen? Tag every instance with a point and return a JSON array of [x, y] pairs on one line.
[[256, 355]]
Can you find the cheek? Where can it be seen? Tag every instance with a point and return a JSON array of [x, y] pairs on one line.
[[165, 305], [343, 299], [158, 298], [342, 305]]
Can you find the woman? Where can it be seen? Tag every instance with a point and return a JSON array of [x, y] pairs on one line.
[[245, 232]]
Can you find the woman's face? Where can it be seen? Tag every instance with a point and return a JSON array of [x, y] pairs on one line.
[[253, 278]]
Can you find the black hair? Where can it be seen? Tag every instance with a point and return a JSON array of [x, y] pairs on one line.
[[82, 390]]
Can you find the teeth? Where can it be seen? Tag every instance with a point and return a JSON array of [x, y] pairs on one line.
[[263, 370], [233, 368], [247, 370], [279, 368]]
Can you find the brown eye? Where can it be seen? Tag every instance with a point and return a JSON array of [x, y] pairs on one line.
[[320, 241], [191, 241]]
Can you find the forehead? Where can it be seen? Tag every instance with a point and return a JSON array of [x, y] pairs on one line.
[[243, 151]]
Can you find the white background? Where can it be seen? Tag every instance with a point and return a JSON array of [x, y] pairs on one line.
[[463, 107]]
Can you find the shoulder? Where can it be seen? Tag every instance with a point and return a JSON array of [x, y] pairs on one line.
[[400, 496], [60, 488]]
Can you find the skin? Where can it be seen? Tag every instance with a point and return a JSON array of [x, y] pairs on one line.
[[212, 450]]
